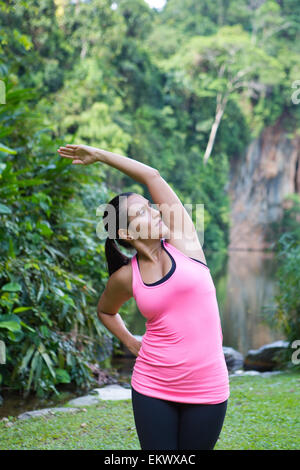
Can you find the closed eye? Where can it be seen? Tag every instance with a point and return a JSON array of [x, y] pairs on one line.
[[149, 205]]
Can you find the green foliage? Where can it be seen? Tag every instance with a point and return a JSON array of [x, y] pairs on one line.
[[48, 259], [287, 314]]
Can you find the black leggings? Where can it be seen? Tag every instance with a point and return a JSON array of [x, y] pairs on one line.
[[169, 425]]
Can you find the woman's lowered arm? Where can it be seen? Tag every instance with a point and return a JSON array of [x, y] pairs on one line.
[[117, 327], [115, 294]]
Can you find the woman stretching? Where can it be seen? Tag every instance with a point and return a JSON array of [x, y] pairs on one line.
[[179, 381]]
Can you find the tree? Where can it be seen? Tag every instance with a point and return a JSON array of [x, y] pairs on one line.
[[223, 65]]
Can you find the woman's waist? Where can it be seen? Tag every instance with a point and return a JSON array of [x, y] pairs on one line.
[[186, 348], [214, 370], [161, 356]]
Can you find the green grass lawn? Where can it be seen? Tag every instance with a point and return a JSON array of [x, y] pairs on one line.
[[262, 413]]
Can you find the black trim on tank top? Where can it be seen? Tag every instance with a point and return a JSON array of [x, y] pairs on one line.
[[169, 274], [199, 261]]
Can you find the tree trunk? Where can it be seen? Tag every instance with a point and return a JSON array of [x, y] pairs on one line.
[[219, 113]]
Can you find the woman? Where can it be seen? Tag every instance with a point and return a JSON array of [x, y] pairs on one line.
[[179, 382]]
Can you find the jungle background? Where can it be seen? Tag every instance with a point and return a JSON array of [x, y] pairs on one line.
[[185, 90]]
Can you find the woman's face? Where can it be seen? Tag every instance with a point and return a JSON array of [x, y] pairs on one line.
[[144, 220]]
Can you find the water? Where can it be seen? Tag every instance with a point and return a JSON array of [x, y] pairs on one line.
[[249, 286], [14, 404]]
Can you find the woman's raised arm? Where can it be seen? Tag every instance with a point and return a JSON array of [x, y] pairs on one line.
[[85, 155]]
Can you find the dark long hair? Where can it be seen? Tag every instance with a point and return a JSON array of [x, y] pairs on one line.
[[114, 257]]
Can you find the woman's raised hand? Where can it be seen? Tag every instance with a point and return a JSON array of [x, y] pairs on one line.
[[80, 154]]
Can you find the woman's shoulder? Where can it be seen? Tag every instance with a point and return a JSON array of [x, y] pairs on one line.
[[188, 247]]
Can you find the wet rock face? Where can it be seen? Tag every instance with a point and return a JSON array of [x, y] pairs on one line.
[[259, 182]]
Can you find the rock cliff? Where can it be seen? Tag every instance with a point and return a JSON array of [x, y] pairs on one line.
[[259, 183]]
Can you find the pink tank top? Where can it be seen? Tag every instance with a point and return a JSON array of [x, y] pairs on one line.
[[181, 357]]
